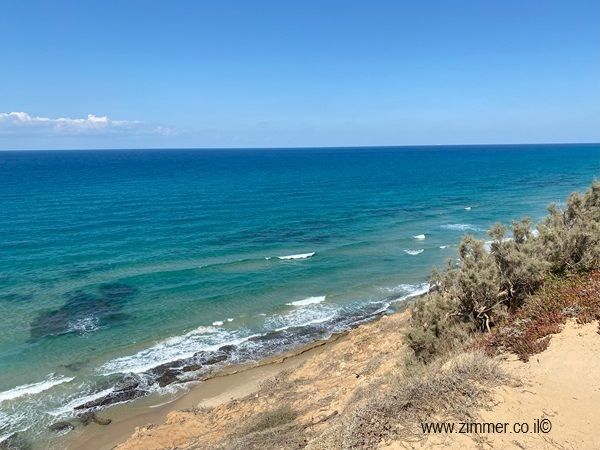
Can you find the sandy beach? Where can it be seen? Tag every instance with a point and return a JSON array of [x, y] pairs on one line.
[[232, 383]]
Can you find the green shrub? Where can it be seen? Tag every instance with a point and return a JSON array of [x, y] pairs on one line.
[[433, 328], [569, 239], [487, 284]]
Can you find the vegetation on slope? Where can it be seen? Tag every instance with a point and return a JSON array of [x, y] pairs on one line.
[[494, 286]]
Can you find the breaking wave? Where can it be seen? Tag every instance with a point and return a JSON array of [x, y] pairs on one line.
[[308, 301], [461, 227], [298, 256], [34, 388]]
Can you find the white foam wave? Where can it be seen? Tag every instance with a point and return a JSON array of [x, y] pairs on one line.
[[414, 252], [468, 208], [402, 288], [10, 424], [298, 256], [419, 236], [443, 246], [301, 317], [461, 227], [217, 323], [230, 319], [308, 301], [85, 325], [211, 338], [413, 290], [34, 388], [68, 408], [174, 348]]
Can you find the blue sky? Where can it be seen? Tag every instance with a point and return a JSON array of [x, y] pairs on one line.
[[124, 73]]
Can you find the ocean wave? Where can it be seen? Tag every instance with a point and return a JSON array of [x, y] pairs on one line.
[[412, 290], [211, 339], [467, 208], [419, 236], [34, 388], [217, 323], [312, 311], [11, 424], [461, 227], [443, 246], [67, 409], [298, 256], [308, 301], [173, 348], [403, 289], [84, 325], [414, 252]]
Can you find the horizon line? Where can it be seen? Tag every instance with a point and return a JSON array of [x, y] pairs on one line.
[[536, 144]]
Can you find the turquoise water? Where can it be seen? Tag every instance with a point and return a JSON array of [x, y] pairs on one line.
[[118, 268]]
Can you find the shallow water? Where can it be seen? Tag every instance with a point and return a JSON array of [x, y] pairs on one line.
[[122, 262]]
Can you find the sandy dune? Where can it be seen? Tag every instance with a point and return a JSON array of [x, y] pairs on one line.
[[561, 384]]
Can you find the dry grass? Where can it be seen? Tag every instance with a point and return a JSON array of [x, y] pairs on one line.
[[270, 429], [277, 384], [289, 436], [270, 419], [453, 389]]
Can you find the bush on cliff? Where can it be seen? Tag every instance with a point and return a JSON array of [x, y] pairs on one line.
[[488, 284]]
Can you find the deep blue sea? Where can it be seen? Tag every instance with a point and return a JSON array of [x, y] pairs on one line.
[[120, 269]]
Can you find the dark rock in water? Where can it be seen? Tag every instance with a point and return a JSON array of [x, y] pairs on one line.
[[169, 366], [265, 337], [204, 359], [116, 318], [101, 308], [227, 348], [63, 425], [76, 366], [112, 398], [102, 420], [215, 359], [128, 383], [209, 358], [168, 377], [89, 417], [86, 418], [192, 368]]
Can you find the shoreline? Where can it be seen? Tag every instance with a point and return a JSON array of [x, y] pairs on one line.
[[233, 382]]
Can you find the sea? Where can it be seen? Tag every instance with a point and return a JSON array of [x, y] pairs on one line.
[[129, 273]]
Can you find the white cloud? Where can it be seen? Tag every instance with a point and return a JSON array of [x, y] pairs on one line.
[[23, 124]]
